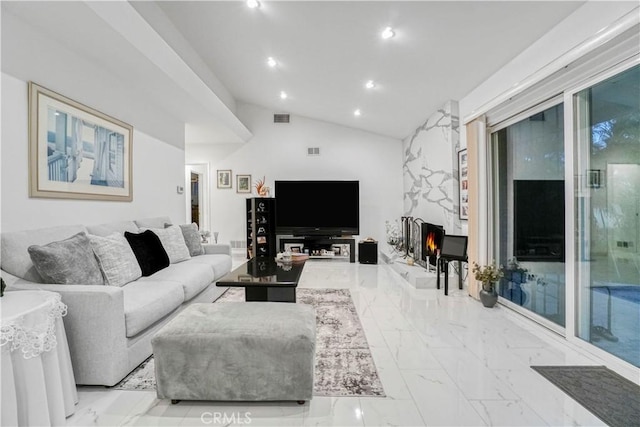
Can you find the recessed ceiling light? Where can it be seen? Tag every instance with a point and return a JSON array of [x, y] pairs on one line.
[[271, 62], [253, 4], [370, 84], [387, 33], [357, 113], [283, 95]]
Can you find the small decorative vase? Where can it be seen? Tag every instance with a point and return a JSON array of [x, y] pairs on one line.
[[488, 298]]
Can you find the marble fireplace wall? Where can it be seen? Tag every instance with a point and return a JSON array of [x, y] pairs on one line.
[[430, 170]]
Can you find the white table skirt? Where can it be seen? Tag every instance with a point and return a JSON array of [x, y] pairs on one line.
[[38, 386]]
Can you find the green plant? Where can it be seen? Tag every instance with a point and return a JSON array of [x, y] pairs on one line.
[[487, 274]]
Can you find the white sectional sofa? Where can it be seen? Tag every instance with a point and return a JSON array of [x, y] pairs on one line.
[[109, 328]]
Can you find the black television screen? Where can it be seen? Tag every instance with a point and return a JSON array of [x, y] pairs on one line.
[[539, 220], [454, 247], [317, 208]]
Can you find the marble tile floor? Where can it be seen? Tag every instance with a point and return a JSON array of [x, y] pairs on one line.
[[443, 361]]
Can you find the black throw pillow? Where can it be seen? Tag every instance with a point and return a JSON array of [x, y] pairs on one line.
[[148, 250]]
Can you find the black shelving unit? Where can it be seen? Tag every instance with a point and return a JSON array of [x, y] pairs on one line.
[[261, 230]]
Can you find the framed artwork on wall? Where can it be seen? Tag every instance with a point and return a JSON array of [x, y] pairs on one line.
[[594, 178], [463, 179], [243, 183], [77, 152], [224, 178]]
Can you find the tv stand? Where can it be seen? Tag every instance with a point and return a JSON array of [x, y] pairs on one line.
[[319, 243]]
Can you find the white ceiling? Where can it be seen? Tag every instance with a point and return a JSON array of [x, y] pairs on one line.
[[329, 49]]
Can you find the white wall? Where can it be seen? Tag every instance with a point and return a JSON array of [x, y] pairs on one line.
[[279, 152], [158, 168]]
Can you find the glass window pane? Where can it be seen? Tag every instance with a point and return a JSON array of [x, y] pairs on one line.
[[530, 215], [608, 214]]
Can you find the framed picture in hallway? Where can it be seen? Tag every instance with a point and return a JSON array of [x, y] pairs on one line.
[[243, 183], [224, 178], [463, 180], [75, 151]]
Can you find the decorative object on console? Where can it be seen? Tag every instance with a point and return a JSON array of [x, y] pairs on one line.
[[148, 250], [205, 234], [261, 188], [75, 151], [224, 178], [69, 261], [243, 183], [488, 275]]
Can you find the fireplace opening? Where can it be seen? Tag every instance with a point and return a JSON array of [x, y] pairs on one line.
[[432, 236]]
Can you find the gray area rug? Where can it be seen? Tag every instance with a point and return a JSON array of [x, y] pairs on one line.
[[609, 396], [344, 366]]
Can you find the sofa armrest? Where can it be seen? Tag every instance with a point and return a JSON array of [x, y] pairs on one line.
[[217, 248], [94, 322]]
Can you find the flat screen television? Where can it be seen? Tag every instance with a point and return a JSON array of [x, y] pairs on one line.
[[454, 247], [317, 208]]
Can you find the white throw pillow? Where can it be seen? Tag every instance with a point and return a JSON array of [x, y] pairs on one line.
[[173, 242], [116, 259]]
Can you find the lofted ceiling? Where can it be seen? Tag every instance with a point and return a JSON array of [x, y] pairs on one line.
[[327, 50]]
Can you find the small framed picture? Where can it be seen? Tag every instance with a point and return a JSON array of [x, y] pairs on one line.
[[224, 178], [295, 249], [243, 183], [594, 178], [262, 240]]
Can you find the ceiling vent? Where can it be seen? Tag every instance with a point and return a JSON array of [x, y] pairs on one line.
[[313, 151], [280, 118]]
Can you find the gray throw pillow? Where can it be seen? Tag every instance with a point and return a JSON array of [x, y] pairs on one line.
[[69, 261], [192, 239], [173, 243], [117, 261]]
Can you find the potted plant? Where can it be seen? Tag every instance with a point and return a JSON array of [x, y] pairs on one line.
[[488, 275]]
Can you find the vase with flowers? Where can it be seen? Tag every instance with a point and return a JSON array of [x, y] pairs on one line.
[[488, 275]]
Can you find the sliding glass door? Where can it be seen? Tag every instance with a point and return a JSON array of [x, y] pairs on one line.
[[529, 213], [607, 197]]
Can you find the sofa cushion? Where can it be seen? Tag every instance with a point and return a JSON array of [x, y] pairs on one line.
[[155, 222], [193, 277], [116, 258], [173, 243], [146, 302], [69, 261], [112, 227], [14, 256], [219, 263], [148, 250], [192, 239]]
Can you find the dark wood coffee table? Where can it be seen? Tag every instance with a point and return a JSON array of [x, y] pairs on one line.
[[265, 280]]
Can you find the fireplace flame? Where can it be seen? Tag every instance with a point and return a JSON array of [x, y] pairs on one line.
[[431, 243]]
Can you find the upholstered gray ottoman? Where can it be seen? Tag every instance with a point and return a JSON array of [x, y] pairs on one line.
[[237, 351]]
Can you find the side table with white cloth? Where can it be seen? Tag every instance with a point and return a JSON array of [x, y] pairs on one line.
[[38, 386]]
